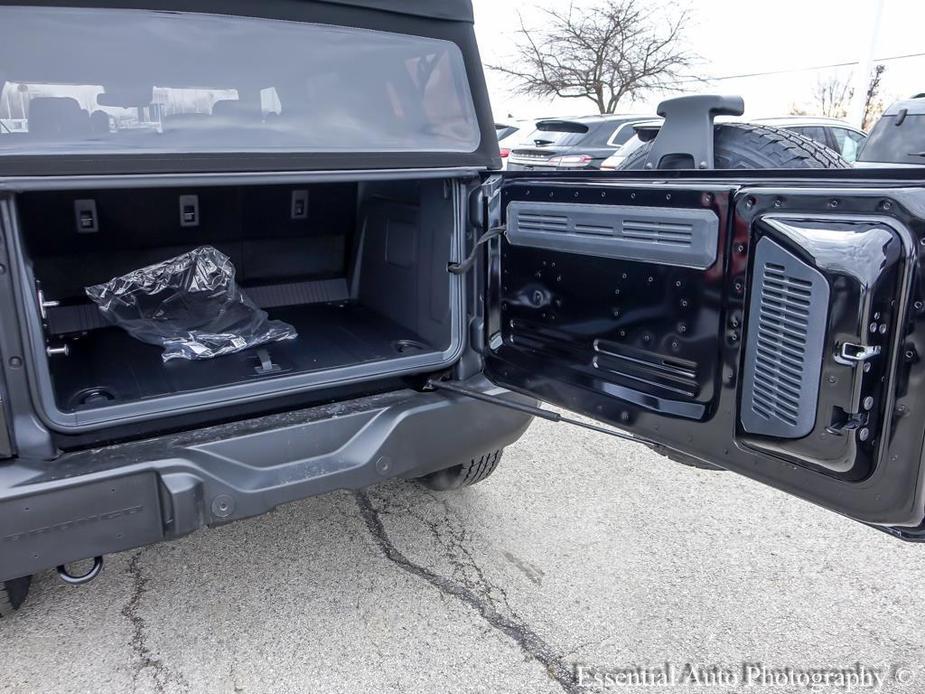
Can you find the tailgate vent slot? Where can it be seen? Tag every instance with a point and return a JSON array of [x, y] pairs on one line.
[[529, 221], [678, 237], [788, 309], [659, 232]]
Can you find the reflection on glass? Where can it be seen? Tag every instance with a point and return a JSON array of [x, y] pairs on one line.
[[115, 80]]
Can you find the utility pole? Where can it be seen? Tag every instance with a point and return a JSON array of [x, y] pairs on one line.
[[865, 66]]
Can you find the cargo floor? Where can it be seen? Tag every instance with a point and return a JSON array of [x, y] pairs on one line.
[[107, 366]]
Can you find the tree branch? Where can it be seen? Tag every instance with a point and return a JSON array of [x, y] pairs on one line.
[[604, 53]]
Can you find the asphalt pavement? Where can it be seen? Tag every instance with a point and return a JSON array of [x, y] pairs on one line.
[[584, 564]]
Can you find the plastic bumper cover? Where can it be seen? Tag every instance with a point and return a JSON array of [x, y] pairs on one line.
[[96, 502]]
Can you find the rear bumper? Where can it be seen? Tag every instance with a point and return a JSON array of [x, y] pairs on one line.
[[107, 500]]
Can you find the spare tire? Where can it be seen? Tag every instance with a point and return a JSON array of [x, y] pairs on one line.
[[745, 146]]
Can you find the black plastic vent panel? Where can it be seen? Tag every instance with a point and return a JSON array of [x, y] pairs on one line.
[[788, 310], [664, 236]]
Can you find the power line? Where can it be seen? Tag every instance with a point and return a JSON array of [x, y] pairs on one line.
[[802, 69]]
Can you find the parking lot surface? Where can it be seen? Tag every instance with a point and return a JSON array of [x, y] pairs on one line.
[[583, 555]]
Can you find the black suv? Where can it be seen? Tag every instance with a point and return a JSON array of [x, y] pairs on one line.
[[335, 162]]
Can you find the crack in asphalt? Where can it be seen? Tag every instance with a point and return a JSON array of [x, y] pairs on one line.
[[452, 537], [144, 657], [513, 627]]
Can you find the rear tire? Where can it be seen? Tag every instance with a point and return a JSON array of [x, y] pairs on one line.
[[745, 146], [464, 474], [13, 594]]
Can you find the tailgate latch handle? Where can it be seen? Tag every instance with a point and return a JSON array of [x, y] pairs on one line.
[[852, 354]]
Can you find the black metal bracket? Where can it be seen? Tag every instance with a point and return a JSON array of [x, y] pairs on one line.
[[685, 140], [266, 363], [6, 440], [548, 415]]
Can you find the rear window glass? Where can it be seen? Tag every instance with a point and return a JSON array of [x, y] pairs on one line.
[[899, 144], [119, 80], [622, 135], [557, 133]]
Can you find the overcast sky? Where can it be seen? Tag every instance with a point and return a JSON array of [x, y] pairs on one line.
[[733, 37]]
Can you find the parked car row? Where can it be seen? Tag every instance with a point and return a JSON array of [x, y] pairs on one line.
[[572, 143], [604, 142]]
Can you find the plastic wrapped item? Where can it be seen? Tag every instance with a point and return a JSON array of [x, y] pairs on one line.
[[190, 305]]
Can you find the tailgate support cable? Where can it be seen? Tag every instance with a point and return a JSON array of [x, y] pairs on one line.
[[531, 410], [466, 265]]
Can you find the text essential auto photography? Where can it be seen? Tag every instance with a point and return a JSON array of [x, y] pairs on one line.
[[855, 678], [462, 346]]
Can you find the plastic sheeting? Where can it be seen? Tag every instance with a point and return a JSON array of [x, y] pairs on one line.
[[190, 305]]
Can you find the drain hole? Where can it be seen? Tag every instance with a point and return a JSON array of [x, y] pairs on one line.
[[409, 346], [94, 397]]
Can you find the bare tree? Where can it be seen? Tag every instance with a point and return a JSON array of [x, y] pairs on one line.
[[831, 96], [873, 104], [605, 53]]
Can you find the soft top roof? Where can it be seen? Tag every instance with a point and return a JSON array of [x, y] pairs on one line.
[[449, 10], [456, 10]]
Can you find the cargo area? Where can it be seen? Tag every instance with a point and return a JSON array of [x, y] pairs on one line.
[[357, 268]]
